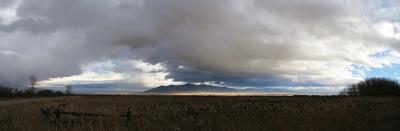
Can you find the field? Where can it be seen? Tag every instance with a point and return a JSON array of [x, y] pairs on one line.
[[191, 113]]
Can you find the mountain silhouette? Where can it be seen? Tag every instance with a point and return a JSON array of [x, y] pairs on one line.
[[190, 88]]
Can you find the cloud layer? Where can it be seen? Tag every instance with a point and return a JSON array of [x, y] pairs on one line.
[[231, 42]]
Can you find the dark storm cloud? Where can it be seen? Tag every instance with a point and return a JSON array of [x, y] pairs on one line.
[[241, 43], [235, 80]]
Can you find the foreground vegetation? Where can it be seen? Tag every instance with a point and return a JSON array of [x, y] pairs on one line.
[[157, 113]]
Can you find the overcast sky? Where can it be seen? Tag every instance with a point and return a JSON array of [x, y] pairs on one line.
[[134, 45]]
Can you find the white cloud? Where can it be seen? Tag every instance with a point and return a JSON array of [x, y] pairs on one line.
[[85, 77], [8, 52], [8, 14], [389, 29], [134, 73]]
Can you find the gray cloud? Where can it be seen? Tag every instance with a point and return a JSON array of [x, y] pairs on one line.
[[240, 43], [5, 3]]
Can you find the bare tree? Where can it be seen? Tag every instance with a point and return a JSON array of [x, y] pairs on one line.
[[68, 89], [33, 80]]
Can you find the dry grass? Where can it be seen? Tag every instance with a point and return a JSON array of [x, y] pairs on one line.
[[208, 113]]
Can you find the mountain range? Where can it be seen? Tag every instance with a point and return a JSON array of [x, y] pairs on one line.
[[192, 88]]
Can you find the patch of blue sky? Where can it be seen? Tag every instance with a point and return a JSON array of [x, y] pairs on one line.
[[358, 70], [392, 71], [384, 10], [389, 71], [101, 67], [381, 53], [386, 3]]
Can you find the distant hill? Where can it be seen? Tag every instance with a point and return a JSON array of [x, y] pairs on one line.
[[189, 88], [186, 88]]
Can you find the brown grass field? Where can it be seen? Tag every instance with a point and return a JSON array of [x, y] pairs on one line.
[[194, 113]]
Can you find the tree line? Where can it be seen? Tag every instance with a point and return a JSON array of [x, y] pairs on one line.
[[376, 86], [7, 92]]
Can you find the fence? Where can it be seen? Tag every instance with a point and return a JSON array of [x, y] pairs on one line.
[[59, 117]]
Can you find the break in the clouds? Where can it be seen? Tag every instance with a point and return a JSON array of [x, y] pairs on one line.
[[238, 43]]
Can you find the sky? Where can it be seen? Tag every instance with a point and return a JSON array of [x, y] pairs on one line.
[[123, 46]]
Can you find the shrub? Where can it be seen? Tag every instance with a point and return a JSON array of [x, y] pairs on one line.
[[45, 93], [6, 92], [373, 87]]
